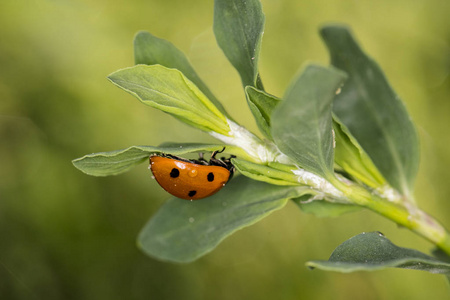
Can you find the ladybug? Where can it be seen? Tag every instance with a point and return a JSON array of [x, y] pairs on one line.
[[191, 179]]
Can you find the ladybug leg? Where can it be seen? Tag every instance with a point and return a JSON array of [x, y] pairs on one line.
[[214, 161], [217, 162], [201, 160]]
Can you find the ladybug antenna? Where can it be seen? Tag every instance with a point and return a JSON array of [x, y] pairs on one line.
[[213, 155]]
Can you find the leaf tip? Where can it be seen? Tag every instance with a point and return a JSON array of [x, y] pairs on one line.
[[75, 162], [140, 34], [78, 164], [334, 28]]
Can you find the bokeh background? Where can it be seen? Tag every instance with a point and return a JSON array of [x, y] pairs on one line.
[[66, 235]]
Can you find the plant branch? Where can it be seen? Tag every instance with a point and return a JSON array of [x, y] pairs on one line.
[[410, 217]]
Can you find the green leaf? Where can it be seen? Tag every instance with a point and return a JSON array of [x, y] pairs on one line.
[[120, 161], [322, 207], [261, 104], [182, 231], [150, 50], [238, 27], [373, 251], [372, 111], [349, 155], [170, 91], [265, 173], [302, 123]]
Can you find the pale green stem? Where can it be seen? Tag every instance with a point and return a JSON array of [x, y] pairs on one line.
[[413, 219]]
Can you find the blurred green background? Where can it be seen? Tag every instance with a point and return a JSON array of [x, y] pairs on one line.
[[66, 235]]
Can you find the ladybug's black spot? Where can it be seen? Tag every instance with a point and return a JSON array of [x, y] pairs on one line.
[[192, 193], [174, 173], [210, 176]]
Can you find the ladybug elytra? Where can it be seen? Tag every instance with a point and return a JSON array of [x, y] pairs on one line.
[[191, 179]]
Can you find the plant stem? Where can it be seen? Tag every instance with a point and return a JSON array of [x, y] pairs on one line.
[[412, 218]]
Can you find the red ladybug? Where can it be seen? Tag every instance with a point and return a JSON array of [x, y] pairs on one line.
[[191, 179]]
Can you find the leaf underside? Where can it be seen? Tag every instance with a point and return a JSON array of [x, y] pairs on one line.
[[120, 161], [151, 50], [170, 91]]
